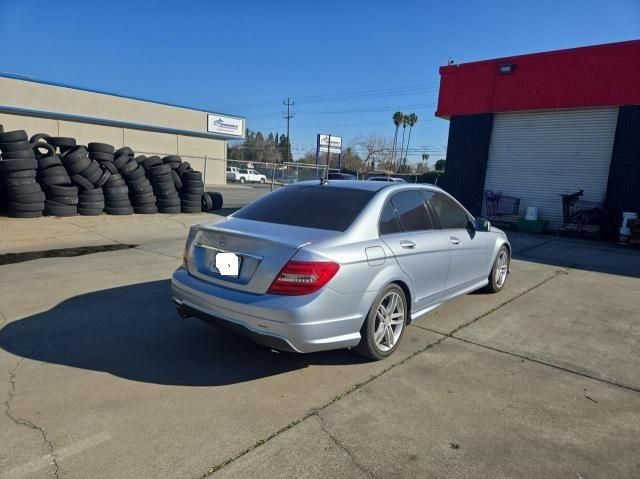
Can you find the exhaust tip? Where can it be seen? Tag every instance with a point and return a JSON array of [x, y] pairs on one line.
[[182, 311]]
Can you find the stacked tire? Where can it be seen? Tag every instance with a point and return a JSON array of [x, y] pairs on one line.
[[140, 190], [61, 195], [116, 192], [159, 174], [18, 167], [211, 201], [89, 177], [62, 143], [192, 191]]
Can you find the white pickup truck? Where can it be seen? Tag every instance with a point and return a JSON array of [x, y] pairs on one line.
[[241, 175]]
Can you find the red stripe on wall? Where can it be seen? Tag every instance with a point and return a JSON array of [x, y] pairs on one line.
[[601, 75]]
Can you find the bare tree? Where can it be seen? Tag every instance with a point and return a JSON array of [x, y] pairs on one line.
[[376, 151]]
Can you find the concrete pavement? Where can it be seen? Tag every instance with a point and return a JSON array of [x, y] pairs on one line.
[[103, 379]]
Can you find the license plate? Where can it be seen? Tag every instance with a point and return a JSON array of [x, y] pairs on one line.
[[223, 262]]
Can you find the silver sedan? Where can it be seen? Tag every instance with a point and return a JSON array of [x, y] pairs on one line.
[[337, 264]]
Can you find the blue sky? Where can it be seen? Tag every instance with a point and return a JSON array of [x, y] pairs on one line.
[[347, 65]]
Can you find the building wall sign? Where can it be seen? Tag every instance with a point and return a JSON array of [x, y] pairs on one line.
[[225, 125]]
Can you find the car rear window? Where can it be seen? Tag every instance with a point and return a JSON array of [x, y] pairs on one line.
[[309, 206]]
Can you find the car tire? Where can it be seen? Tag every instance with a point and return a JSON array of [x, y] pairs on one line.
[[206, 203], [48, 162], [176, 180], [30, 198], [145, 209], [499, 271], [24, 214], [61, 141], [101, 148], [8, 165], [216, 200], [262, 181], [110, 166], [19, 155], [13, 136], [58, 170], [16, 146], [104, 177], [377, 347], [82, 182]]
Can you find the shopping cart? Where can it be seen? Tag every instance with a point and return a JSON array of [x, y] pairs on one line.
[[577, 213], [498, 205]]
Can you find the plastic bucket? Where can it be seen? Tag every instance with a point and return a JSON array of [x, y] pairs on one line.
[[531, 214], [627, 217]]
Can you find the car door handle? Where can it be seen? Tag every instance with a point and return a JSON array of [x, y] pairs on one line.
[[454, 240], [407, 244]]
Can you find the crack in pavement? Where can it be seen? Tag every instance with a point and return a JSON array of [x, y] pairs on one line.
[[452, 335], [344, 448], [544, 363], [88, 230], [359, 385], [25, 422], [315, 412], [493, 310]]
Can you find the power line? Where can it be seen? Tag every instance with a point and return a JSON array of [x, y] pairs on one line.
[[380, 108], [381, 92]]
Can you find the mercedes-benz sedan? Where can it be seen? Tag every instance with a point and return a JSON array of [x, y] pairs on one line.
[[337, 264]]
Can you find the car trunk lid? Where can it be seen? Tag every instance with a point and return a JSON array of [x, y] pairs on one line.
[[263, 249]]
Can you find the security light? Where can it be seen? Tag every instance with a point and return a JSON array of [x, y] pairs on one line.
[[506, 69]]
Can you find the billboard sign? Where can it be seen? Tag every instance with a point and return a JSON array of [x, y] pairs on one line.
[[324, 147], [225, 125]]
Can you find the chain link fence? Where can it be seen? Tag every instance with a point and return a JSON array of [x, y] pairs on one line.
[[218, 171], [274, 174]]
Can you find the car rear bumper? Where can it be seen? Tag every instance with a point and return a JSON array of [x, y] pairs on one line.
[[320, 321]]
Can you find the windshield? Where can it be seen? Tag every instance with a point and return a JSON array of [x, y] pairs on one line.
[[309, 206]]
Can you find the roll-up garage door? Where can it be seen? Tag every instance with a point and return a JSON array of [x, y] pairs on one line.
[[536, 156]]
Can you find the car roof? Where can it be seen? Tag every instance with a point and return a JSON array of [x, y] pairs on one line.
[[367, 185]]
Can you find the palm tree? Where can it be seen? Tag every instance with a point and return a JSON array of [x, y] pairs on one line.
[[405, 119], [412, 119], [397, 120]]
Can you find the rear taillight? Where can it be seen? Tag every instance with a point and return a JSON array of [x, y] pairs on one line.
[[303, 277]]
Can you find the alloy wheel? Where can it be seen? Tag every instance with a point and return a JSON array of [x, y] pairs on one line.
[[502, 268], [390, 319]]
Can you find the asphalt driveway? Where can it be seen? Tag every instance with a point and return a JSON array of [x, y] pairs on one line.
[[103, 379]]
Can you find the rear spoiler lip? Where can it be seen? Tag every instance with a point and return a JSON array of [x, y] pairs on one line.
[[278, 240]]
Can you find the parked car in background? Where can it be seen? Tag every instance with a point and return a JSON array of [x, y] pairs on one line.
[[233, 174], [340, 176], [343, 264], [388, 179], [251, 176]]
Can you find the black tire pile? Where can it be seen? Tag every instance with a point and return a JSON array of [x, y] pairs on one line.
[[140, 190], [55, 176], [61, 195], [189, 184], [159, 174], [24, 197], [89, 177], [115, 190]]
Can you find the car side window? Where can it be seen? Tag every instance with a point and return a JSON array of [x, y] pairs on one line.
[[449, 213], [389, 223], [411, 211]]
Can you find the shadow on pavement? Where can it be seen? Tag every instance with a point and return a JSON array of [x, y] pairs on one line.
[[134, 332], [575, 253]]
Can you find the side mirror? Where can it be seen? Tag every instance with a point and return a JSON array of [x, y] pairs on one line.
[[482, 225]]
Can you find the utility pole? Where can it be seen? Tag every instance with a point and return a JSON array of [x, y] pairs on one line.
[[288, 116], [328, 153]]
